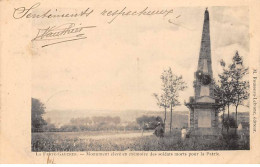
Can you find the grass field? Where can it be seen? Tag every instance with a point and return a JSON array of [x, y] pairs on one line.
[[120, 141]]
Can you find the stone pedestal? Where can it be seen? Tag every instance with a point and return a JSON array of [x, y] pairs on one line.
[[203, 118]]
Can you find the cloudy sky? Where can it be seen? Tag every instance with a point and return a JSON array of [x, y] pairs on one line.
[[118, 67]]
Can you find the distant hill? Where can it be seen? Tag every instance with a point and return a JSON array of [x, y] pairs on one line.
[[61, 117]]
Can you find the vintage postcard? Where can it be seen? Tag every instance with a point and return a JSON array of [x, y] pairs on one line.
[[122, 81]]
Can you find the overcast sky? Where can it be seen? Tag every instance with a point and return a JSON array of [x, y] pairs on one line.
[[118, 66]]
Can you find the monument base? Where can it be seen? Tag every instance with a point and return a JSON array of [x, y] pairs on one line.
[[205, 132]]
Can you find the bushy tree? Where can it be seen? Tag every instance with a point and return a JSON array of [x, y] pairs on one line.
[[229, 122], [226, 89], [49, 127], [232, 88], [219, 96], [148, 122], [240, 85], [37, 111]]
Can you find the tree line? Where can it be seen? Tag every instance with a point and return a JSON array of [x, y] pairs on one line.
[[95, 123]]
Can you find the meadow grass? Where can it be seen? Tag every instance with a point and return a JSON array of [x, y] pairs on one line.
[[73, 141]]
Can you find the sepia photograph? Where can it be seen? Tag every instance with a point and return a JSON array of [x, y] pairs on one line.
[[177, 82]]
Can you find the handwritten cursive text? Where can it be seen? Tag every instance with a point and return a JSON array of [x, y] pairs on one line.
[[67, 31], [23, 12]]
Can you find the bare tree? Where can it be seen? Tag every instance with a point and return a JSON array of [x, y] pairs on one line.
[[163, 98], [171, 86], [175, 85]]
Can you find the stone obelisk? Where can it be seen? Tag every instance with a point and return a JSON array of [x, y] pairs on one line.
[[203, 107]]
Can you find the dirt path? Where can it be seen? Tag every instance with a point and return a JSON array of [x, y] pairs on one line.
[[122, 135]]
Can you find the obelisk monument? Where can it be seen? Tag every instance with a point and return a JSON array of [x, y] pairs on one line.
[[203, 107]]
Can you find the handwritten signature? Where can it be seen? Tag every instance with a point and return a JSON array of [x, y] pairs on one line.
[[63, 33], [50, 160]]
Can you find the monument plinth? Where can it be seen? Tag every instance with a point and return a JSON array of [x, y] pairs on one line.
[[203, 107]]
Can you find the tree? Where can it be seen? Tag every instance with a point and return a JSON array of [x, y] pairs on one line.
[[80, 121], [241, 87], [175, 85], [229, 123], [148, 122], [226, 94], [163, 99], [219, 96], [171, 86], [37, 110], [233, 87], [116, 120], [49, 127]]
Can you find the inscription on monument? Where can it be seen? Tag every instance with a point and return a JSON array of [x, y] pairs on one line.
[[204, 118]]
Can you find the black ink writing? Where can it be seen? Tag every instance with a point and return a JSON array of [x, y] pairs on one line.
[[126, 12], [63, 33], [23, 12]]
